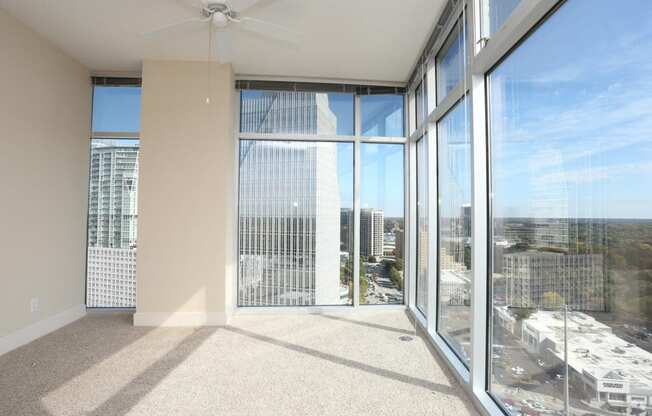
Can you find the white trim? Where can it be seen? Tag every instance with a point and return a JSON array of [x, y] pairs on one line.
[[184, 319], [41, 328]]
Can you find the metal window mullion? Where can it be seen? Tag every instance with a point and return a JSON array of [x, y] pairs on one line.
[[433, 229], [410, 223], [356, 223]]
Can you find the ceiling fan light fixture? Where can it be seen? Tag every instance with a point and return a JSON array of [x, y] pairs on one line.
[[219, 19]]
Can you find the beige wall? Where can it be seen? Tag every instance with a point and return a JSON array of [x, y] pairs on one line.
[[185, 238], [45, 104]]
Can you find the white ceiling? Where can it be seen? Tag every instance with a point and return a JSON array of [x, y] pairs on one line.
[[373, 40]]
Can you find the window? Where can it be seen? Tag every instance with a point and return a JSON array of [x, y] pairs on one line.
[[113, 198], [420, 104], [496, 14], [422, 225], [454, 277], [296, 112], [116, 109], [571, 223], [382, 115], [451, 62], [296, 223], [382, 223]]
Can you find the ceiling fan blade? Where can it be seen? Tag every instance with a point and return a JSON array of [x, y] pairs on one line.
[[268, 29], [192, 4], [244, 6], [176, 24], [224, 46]]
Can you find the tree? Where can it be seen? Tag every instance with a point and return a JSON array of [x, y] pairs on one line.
[[553, 300], [396, 277], [399, 264], [522, 313], [372, 259]]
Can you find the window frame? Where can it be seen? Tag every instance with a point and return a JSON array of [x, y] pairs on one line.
[[482, 55], [357, 139], [105, 135]]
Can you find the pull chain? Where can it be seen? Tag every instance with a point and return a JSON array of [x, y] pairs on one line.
[[208, 62]]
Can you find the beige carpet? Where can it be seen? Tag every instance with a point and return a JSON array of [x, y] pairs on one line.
[[351, 364]]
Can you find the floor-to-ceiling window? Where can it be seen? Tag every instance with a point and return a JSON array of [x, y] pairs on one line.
[[422, 238], [454, 256], [299, 207], [571, 225], [538, 117], [113, 195], [382, 223]]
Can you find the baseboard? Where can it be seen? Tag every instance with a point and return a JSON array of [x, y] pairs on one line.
[[37, 330], [180, 319]]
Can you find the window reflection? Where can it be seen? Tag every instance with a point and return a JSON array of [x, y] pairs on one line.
[[454, 278], [382, 115], [571, 144]]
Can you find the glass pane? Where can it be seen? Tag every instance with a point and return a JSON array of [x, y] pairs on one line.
[[420, 104], [296, 112], [451, 62], [295, 205], [497, 13], [112, 224], [454, 173], [382, 224], [382, 115], [571, 173], [116, 109], [422, 225]]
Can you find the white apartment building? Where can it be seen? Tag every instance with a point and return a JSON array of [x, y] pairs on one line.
[[372, 224], [111, 274], [615, 375], [112, 225]]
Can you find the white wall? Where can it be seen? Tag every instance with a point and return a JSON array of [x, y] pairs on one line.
[[186, 195], [45, 105]]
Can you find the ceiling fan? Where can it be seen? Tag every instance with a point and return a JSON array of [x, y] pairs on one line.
[[218, 15]]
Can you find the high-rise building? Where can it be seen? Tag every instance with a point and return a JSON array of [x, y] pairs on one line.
[[466, 221], [372, 224], [294, 112], [346, 230], [289, 224], [399, 246], [549, 280], [112, 225], [290, 212]]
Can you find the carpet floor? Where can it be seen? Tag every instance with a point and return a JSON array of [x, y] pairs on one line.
[[286, 364]]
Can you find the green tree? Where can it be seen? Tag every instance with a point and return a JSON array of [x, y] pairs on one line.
[[399, 264], [553, 300]]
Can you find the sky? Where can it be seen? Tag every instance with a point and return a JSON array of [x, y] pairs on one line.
[[571, 116], [116, 109]]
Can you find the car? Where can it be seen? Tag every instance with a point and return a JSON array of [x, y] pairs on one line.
[[540, 363], [519, 371]]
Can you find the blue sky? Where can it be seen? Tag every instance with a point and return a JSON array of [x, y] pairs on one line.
[[381, 177], [116, 109], [571, 116]]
